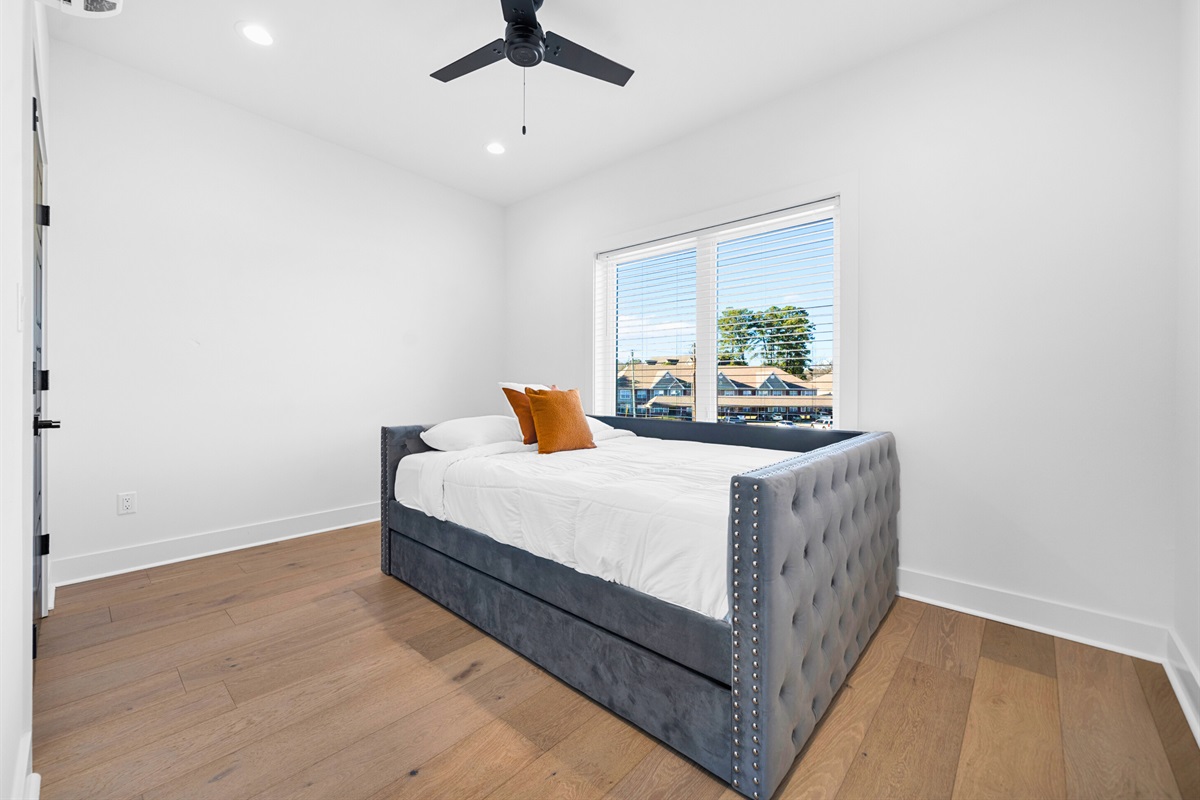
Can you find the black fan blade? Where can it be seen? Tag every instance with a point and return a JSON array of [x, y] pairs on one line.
[[488, 54], [569, 55], [522, 12]]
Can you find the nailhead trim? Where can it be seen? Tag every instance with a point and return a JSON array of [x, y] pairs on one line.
[[739, 635], [735, 691]]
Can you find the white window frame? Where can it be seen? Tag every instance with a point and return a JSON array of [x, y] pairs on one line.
[[840, 192]]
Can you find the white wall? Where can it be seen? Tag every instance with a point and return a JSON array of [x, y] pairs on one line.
[[1187, 556], [1016, 185], [22, 42], [238, 307]]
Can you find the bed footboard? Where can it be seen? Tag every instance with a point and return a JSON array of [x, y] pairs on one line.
[[394, 444], [813, 557]]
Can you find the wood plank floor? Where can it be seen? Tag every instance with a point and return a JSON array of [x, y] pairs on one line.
[[297, 670]]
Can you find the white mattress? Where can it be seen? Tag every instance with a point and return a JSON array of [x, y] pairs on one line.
[[651, 514]]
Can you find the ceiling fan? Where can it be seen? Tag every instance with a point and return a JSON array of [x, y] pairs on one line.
[[525, 45], [96, 9]]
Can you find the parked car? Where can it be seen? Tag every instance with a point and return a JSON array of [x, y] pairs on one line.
[[736, 420], [776, 417], [824, 421], [785, 424]]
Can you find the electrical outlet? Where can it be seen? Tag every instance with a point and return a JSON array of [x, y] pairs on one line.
[[127, 503]]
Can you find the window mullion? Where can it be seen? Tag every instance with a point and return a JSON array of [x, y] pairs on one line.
[[604, 400], [705, 390]]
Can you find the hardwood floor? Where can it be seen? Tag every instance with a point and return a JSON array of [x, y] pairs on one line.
[[297, 670]]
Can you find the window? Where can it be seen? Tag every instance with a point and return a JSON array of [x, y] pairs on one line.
[[653, 329], [751, 303]]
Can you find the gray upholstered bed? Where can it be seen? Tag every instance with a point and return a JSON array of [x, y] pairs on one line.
[[812, 571]]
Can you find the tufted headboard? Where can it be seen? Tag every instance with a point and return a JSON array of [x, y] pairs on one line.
[[813, 560]]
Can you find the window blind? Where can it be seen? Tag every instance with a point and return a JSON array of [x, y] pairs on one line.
[[654, 313], [735, 323]]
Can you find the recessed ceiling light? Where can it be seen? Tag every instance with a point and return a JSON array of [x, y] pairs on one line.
[[495, 148], [255, 33]]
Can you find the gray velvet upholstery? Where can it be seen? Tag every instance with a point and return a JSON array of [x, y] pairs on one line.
[[682, 635], [813, 562], [395, 443], [813, 559], [674, 704], [770, 437]]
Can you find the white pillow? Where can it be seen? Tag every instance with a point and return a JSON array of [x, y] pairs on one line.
[[597, 426], [459, 434], [520, 387]]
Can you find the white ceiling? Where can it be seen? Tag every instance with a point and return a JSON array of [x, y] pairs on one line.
[[356, 72]]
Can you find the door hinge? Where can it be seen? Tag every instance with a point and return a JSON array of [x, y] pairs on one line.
[[43, 216], [35, 640], [44, 545], [44, 380], [35, 114]]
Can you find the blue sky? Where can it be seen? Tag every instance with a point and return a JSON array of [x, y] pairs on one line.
[[656, 297]]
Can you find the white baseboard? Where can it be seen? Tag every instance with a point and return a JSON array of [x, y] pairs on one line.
[[89, 566], [1137, 638], [1132, 637], [1185, 679]]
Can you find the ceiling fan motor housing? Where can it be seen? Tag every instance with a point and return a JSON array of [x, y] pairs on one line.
[[524, 45]]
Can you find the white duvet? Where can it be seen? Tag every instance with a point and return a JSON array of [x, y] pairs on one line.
[[650, 514]]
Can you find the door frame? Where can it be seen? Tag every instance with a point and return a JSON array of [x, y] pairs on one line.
[[44, 591]]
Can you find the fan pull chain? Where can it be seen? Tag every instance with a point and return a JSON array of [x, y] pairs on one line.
[[523, 73]]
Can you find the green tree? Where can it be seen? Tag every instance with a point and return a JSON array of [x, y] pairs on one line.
[[737, 330], [785, 337], [779, 336]]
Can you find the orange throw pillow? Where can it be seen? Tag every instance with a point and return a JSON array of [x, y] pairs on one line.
[[520, 406], [559, 420]]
